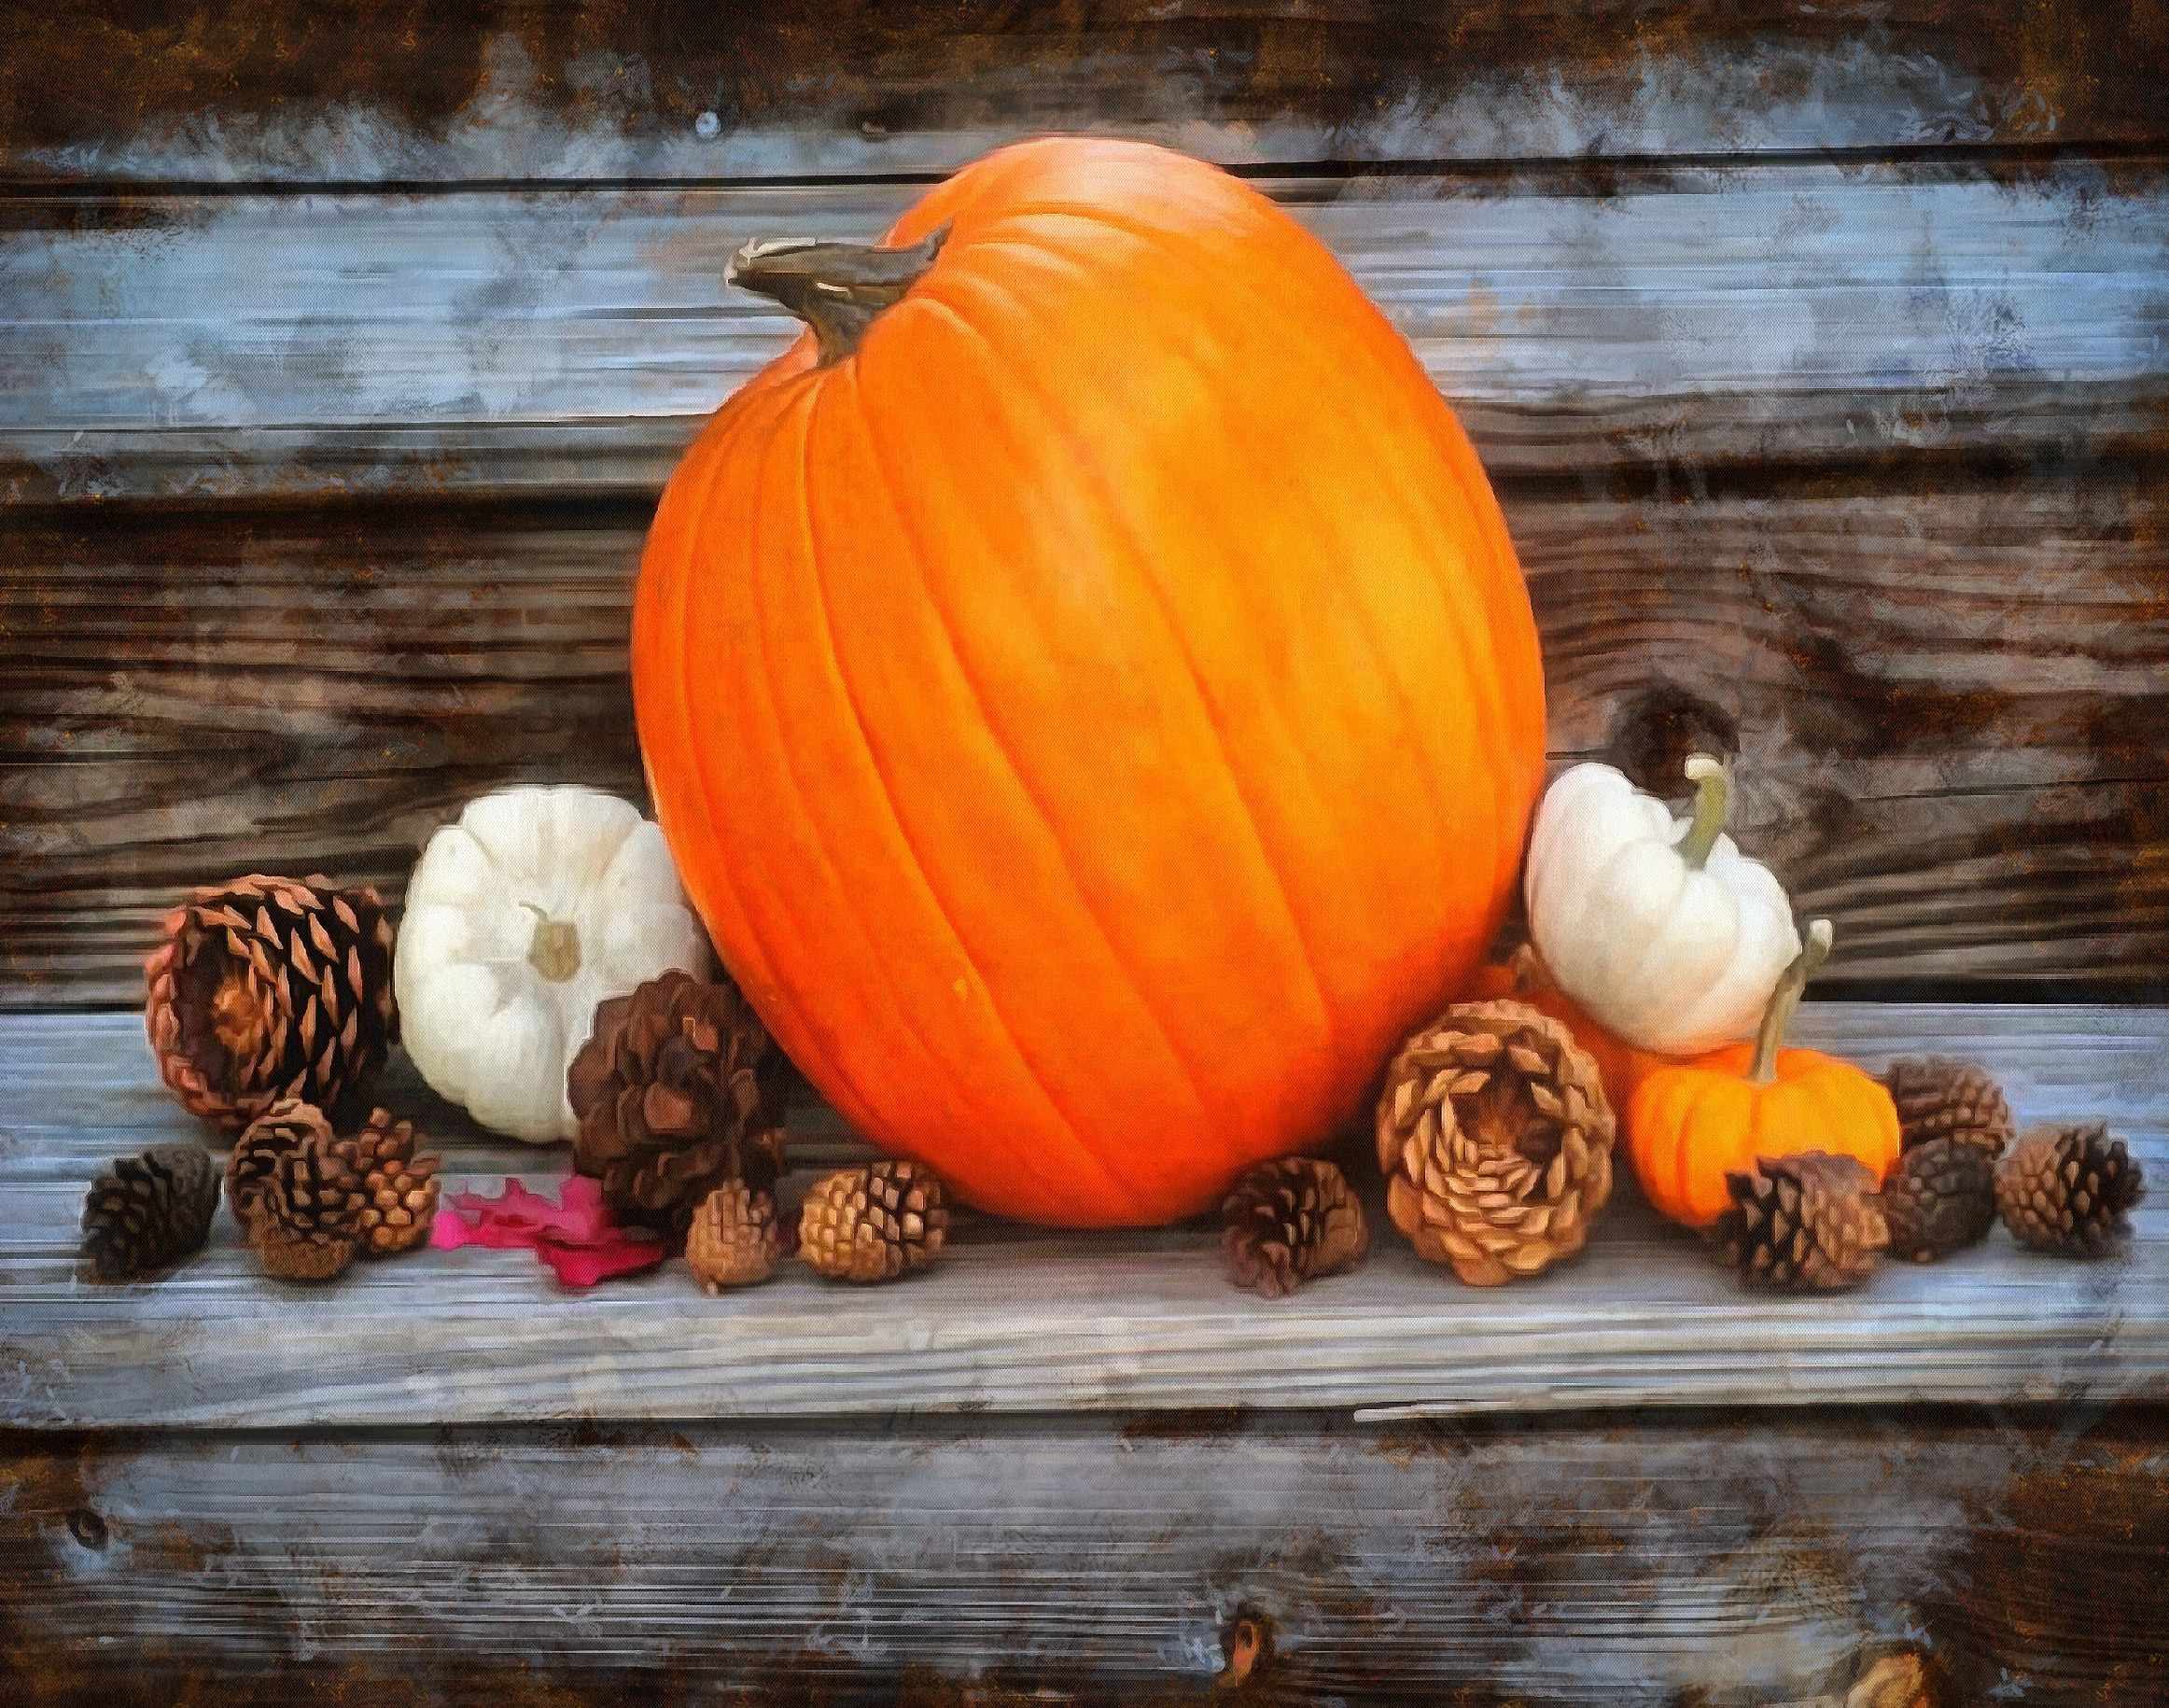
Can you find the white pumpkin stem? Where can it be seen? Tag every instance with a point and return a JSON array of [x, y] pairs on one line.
[[1713, 806], [836, 288], [1791, 984], [553, 951]]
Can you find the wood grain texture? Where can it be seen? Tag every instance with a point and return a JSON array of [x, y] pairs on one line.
[[1025, 1319], [1585, 319], [1577, 1560], [403, 90], [1948, 707]]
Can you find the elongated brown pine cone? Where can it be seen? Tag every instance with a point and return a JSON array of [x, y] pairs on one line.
[[677, 1091], [144, 1212], [736, 1238], [398, 1189], [284, 1127], [1496, 1141], [308, 1222], [874, 1224], [266, 989], [1809, 1223], [1939, 1098], [1939, 1199], [2067, 1189], [1289, 1222]]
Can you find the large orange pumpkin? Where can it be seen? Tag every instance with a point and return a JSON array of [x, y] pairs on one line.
[[1086, 683]]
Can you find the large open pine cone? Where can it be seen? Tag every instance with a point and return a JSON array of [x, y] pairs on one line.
[[1496, 1140], [1938, 1098], [677, 1090], [145, 1212], [270, 988], [1808, 1223], [2067, 1189], [1289, 1222]]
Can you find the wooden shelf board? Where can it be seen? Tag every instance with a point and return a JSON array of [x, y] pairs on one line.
[[1027, 1320]]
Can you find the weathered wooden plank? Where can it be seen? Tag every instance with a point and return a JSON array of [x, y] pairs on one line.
[[1949, 705], [1584, 319], [293, 93], [1580, 1561], [1026, 1320]]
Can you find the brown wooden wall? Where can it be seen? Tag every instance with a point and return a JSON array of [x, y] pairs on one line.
[[1821, 359]]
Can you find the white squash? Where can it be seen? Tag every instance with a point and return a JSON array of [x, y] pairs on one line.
[[537, 904], [1660, 929]]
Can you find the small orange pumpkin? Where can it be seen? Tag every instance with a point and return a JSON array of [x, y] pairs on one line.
[[1086, 684], [1691, 1124], [1525, 978]]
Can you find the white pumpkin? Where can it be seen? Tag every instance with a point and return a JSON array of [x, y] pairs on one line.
[[537, 904], [1660, 929]]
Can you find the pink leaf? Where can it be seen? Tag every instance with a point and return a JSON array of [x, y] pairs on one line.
[[582, 1265], [576, 1235]]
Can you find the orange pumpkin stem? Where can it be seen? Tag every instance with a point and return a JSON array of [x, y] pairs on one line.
[[1791, 984], [1713, 806], [835, 288]]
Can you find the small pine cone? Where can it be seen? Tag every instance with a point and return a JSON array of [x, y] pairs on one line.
[[1939, 1199], [677, 1090], [398, 1189], [1289, 1222], [144, 1212], [874, 1224], [1810, 1223], [1938, 1098], [1496, 1137], [736, 1238], [284, 1127], [308, 1222], [271, 988], [2066, 1189]]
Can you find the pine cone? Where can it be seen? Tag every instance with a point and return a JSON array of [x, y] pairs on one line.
[[1496, 1140], [1939, 1098], [308, 1222], [285, 1125], [677, 1091], [1289, 1222], [398, 1189], [144, 1212], [1809, 1223], [736, 1238], [874, 1224], [271, 988], [1939, 1199], [2067, 1189]]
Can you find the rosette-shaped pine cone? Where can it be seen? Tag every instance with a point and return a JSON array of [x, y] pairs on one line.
[[1938, 1098], [144, 1212], [271, 988], [307, 1225], [398, 1189], [736, 1238], [1289, 1222], [2067, 1189], [284, 1127], [677, 1090], [874, 1224], [1809, 1223], [1939, 1199], [1496, 1141]]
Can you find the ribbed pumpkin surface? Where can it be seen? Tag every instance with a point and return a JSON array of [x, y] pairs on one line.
[[1100, 715]]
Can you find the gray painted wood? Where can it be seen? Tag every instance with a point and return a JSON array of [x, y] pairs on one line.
[[1024, 1320], [1947, 704], [185, 345], [1744, 1560], [289, 91]]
